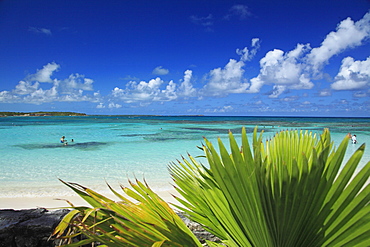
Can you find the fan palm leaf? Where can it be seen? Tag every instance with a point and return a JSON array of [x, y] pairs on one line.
[[143, 220], [289, 191]]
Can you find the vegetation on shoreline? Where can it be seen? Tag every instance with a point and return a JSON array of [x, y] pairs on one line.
[[47, 113], [41, 113], [290, 190]]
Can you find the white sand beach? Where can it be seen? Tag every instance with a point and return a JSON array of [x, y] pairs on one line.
[[52, 203]]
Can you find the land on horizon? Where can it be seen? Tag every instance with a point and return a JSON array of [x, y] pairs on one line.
[[55, 113], [40, 113]]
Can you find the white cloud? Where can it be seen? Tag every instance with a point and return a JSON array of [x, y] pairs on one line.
[[289, 99], [227, 108], [100, 106], [40, 30], [220, 110], [245, 54], [146, 91], [277, 90], [25, 87], [31, 90], [360, 94], [41, 96], [75, 82], [352, 75], [114, 105], [6, 96], [186, 88], [295, 69], [239, 10], [203, 21], [160, 71], [284, 70], [325, 93], [44, 74], [348, 34], [223, 81], [156, 90]]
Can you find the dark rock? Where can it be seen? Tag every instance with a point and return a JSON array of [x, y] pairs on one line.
[[33, 227], [28, 228], [201, 233]]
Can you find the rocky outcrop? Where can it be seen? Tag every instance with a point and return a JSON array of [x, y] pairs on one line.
[[28, 228], [33, 227]]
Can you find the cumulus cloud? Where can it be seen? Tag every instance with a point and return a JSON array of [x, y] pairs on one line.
[[42, 96], [114, 105], [31, 90], [44, 74], [353, 75], [277, 90], [8, 97], [76, 82], [284, 70], [100, 106], [220, 82], [246, 54], [186, 88], [223, 81], [297, 68], [348, 34], [146, 91], [25, 87], [160, 71]]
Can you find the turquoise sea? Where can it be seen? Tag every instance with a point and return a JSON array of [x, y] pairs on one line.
[[114, 149]]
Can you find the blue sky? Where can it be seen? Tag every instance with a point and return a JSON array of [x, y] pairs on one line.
[[248, 58]]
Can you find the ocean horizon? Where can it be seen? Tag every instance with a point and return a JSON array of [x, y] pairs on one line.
[[115, 148]]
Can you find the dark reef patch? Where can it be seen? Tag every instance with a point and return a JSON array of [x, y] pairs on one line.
[[80, 145], [172, 136]]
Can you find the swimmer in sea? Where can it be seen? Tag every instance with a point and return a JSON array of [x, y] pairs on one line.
[[62, 140]]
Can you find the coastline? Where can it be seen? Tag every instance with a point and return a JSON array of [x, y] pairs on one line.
[[53, 203]]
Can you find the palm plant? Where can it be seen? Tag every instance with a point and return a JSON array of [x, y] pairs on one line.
[[143, 220], [291, 190]]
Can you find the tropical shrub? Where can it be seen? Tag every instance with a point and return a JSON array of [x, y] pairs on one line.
[[291, 190]]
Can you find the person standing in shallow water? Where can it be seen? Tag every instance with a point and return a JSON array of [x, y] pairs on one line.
[[354, 139], [62, 139]]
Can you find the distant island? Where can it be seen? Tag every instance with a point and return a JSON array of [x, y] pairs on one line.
[[41, 113]]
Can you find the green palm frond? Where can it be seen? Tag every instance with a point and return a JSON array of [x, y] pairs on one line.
[[289, 191], [144, 220]]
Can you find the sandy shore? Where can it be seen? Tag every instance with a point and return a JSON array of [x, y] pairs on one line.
[[52, 203]]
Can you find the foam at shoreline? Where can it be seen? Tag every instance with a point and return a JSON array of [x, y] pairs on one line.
[[50, 202]]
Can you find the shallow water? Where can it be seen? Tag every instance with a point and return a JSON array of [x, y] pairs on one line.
[[115, 148]]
